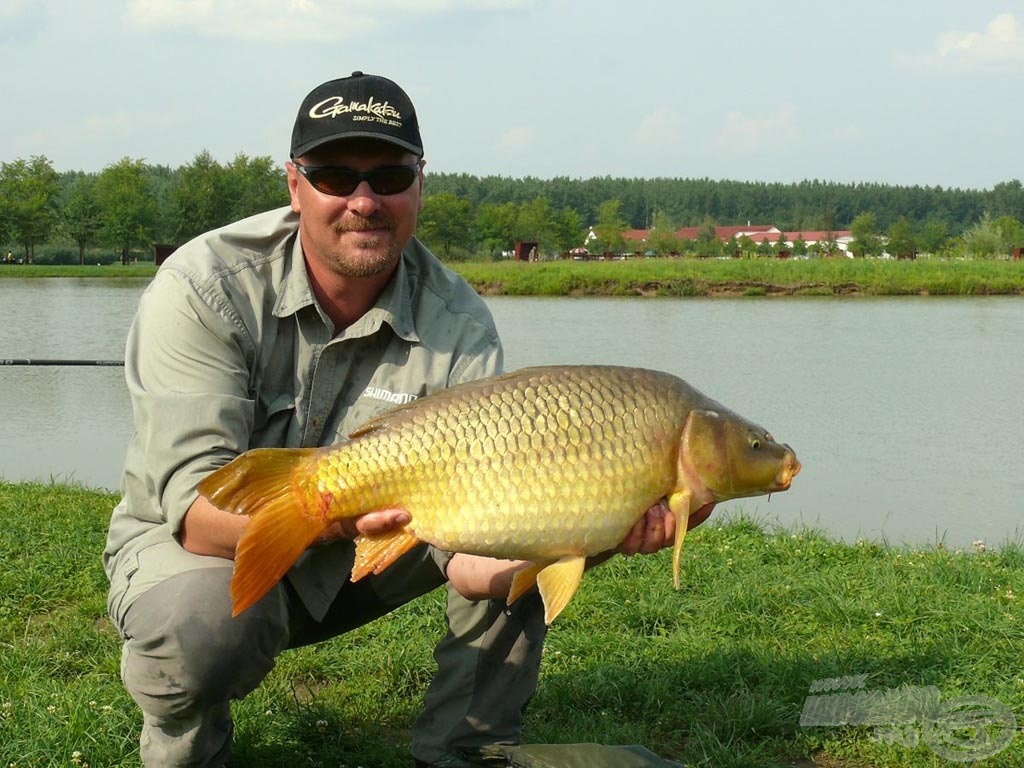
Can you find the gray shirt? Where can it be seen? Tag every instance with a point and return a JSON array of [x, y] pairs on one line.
[[229, 350]]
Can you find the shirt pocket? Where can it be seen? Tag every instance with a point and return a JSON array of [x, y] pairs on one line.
[[275, 425]]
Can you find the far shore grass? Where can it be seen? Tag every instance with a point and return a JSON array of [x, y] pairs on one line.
[[688, 277], [716, 674]]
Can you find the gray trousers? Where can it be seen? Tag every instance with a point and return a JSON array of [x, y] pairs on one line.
[[185, 658]]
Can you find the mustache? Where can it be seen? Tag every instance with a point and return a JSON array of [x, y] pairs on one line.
[[361, 224]]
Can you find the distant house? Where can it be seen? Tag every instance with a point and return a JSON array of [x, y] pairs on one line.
[[842, 238], [727, 233], [637, 239], [758, 233]]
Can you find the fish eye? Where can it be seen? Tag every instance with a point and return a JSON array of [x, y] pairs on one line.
[[754, 442]]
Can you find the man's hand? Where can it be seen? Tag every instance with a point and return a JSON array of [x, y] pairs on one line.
[[207, 530], [657, 529], [370, 524]]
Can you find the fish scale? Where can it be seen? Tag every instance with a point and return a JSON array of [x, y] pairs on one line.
[[481, 465], [550, 465]]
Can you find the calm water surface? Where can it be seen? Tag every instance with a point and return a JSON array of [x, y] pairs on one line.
[[906, 413]]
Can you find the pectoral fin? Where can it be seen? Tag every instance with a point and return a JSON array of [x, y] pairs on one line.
[[375, 553], [524, 580], [679, 503]]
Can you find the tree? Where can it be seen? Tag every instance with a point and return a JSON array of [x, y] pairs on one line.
[[781, 245], [257, 184], [983, 240], [662, 239], [536, 222], [866, 238], [746, 246], [81, 215], [902, 243], [568, 230], [28, 201], [610, 226], [1008, 199], [828, 245], [201, 198], [800, 246], [445, 220], [125, 195], [495, 224], [1011, 231], [933, 236], [707, 243]]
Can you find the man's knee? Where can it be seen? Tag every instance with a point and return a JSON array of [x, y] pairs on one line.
[[183, 650], [488, 665]]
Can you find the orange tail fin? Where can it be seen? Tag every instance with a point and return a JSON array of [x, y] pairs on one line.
[[260, 483]]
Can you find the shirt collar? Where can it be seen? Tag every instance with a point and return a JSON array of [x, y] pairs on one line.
[[393, 306], [295, 292]]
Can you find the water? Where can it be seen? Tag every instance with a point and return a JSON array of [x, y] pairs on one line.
[[65, 424], [906, 413]]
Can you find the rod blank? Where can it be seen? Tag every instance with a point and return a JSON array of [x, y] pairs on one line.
[[53, 361]]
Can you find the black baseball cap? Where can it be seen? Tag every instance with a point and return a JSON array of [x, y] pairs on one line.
[[358, 106]]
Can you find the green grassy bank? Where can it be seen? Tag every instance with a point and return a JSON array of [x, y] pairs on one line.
[[691, 277], [716, 674]]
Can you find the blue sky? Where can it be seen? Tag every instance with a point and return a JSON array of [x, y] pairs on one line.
[[923, 92]]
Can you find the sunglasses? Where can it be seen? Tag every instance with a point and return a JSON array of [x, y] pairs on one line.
[[338, 181]]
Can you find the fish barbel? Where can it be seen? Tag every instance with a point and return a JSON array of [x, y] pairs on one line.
[[550, 465]]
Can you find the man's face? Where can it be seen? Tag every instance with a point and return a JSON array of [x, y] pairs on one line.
[[363, 233]]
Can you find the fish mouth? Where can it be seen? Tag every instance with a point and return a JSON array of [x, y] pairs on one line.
[[785, 477]]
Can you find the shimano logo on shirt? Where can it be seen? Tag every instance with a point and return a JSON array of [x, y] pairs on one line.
[[387, 396]]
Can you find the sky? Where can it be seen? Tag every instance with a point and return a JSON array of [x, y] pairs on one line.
[[907, 92]]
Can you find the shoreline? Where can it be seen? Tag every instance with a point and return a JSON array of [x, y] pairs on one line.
[[682, 278]]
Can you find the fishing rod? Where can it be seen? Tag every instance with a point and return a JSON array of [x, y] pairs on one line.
[[54, 361]]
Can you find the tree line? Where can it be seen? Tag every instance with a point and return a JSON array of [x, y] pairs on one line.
[[129, 206]]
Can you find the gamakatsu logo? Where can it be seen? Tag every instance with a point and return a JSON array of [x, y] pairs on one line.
[[335, 105]]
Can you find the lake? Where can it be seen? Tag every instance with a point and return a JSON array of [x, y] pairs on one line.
[[907, 413]]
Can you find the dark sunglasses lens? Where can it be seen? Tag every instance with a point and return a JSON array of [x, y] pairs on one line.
[[342, 182], [333, 181], [391, 181]]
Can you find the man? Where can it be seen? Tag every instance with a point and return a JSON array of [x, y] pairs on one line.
[[291, 328]]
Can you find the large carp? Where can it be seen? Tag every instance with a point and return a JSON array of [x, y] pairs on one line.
[[550, 465]]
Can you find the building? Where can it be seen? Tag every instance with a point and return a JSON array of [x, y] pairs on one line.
[[757, 233]]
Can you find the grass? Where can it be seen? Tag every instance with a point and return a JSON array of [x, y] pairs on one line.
[[716, 674], [691, 277], [141, 269], [747, 277]]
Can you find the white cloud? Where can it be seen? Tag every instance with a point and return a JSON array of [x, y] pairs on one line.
[[1001, 42], [120, 123], [743, 133], [660, 128], [10, 8], [517, 139], [292, 20]]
